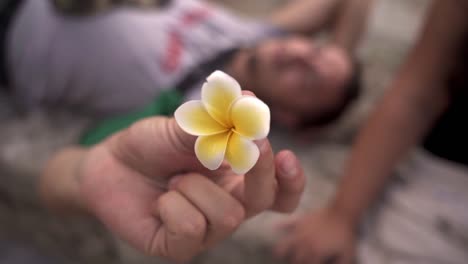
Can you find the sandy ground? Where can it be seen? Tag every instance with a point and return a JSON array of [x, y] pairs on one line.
[[27, 140]]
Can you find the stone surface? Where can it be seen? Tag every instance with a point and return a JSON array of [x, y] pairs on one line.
[[27, 140]]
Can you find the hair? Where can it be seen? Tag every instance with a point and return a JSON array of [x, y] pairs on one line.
[[88, 7], [351, 93]]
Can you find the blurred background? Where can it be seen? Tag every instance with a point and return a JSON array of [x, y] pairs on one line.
[[27, 140]]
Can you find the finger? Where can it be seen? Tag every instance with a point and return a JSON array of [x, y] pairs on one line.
[[183, 231], [291, 182], [158, 148], [260, 183], [148, 144], [223, 212], [247, 92]]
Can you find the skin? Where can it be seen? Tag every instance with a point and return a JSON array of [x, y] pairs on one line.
[[297, 66], [146, 185], [142, 188], [414, 101], [280, 69]]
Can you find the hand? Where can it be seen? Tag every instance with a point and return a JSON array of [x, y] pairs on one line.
[[146, 185], [321, 237]]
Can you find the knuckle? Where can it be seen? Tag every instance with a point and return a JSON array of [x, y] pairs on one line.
[[194, 228], [234, 218], [146, 126], [184, 183], [162, 203], [176, 137], [229, 223], [187, 182], [130, 145]]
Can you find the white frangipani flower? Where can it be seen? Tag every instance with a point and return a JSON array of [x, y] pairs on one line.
[[226, 123]]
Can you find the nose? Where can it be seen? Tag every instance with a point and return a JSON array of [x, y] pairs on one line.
[[297, 59], [300, 55]]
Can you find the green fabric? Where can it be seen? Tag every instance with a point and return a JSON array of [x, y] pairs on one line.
[[164, 104]]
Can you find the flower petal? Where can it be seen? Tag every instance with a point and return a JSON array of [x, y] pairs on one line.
[[241, 153], [193, 118], [251, 117], [210, 150], [217, 95]]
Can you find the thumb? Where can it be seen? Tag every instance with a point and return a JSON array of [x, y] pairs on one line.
[[155, 146]]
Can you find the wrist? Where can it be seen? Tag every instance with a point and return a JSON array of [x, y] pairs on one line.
[[343, 211], [59, 186]]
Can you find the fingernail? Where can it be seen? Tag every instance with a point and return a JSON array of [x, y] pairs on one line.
[[289, 167]]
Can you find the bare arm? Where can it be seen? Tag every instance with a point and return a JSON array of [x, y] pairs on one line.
[[347, 17], [305, 16], [350, 24], [415, 100]]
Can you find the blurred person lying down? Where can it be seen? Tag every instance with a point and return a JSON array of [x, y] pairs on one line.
[[112, 60], [109, 60]]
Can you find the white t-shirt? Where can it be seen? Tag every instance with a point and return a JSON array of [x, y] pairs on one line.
[[119, 60]]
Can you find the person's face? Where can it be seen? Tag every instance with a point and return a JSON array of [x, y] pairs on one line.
[[297, 77]]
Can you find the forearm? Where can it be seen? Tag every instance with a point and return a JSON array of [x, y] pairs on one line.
[[390, 133], [351, 23], [415, 100], [58, 187], [305, 16]]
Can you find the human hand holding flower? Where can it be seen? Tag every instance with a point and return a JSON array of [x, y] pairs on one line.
[[148, 187]]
